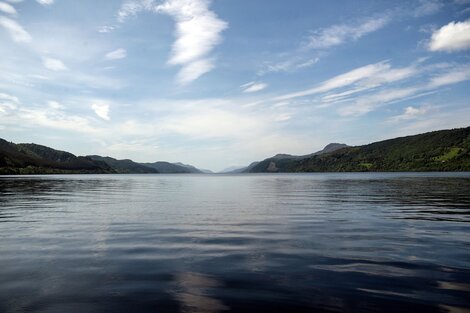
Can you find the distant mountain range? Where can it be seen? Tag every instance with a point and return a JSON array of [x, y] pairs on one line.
[[36, 159], [173, 168], [445, 150]]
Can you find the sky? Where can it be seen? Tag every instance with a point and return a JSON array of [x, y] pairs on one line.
[[226, 82]]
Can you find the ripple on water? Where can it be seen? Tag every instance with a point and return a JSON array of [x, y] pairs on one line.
[[243, 243]]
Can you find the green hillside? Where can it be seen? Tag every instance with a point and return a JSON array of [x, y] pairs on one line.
[[445, 150], [37, 159]]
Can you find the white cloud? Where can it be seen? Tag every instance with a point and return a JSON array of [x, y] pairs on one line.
[[4, 96], [101, 109], [253, 87], [363, 104], [287, 66], [343, 80], [341, 96], [198, 31], [338, 34], [8, 103], [51, 118], [427, 7], [353, 92], [53, 64], [55, 105], [368, 103], [7, 8], [454, 36], [116, 54], [411, 113], [106, 29], [17, 32], [283, 117], [452, 77], [45, 2], [194, 70], [133, 7]]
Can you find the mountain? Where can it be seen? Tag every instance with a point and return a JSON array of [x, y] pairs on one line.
[[124, 166], [331, 148], [193, 169], [31, 158], [232, 169], [204, 171], [269, 164], [37, 159], [445, 150], [170, 168], [328, 148], [245, 169]]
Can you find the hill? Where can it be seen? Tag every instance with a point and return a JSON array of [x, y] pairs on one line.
[[30, 158], [193, 169], [285, 158], [172, 168], [445, 150], [124, 166], [37, 159]]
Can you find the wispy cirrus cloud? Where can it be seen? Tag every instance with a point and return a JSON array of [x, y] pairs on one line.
[[334, 35], [367, 103], [454, 36], [253, 87], [50, 116], [291, 65], [45, 2], [116, 54], [370, 87], [363, 104], [106, 29], [427, 7], [8, 102], [7, 8], [454, 76], [338, 34], [342, 80], [16, 31], [5, 96]]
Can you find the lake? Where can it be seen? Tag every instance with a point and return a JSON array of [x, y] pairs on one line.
[[363, 242]]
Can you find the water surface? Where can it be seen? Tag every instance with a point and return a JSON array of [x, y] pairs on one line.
[[235, 243]]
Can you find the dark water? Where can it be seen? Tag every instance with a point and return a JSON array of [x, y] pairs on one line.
[[261, 243]]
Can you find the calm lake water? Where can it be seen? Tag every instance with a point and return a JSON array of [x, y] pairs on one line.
[[235, 243]]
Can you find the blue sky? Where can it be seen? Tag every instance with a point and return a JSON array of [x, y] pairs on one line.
[[225, 82]]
